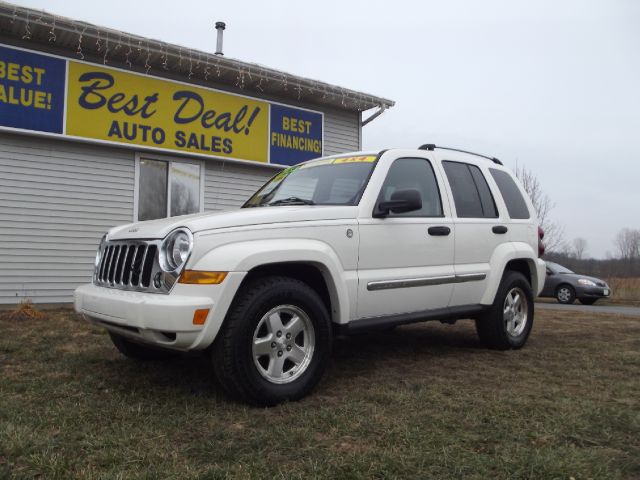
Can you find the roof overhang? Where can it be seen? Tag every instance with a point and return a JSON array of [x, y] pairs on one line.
[[82, 40]]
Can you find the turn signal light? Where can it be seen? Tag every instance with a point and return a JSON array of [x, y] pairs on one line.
[[198, 277], [200, 316]]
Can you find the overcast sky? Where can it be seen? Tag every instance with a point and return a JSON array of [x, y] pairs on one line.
[[551, 85]]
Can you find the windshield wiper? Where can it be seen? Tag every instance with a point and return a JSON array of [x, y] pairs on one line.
[[292, 201]]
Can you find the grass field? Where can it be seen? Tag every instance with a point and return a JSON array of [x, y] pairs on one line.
[[625, 290], [424, 401]]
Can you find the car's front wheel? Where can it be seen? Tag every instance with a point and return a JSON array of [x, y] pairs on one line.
[[508, 322], [275, 343], [565, 294]]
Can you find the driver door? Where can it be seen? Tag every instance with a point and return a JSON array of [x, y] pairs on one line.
[[406, 259]]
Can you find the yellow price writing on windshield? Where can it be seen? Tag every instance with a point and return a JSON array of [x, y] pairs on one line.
[[360, 159]]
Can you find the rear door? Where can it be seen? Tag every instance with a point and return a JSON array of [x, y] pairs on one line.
[[521, 227], [479, 230], [405, 260]]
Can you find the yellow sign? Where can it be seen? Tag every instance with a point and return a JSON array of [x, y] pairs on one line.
[[118, 106]]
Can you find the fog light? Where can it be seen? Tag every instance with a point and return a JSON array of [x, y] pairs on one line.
[[200, 316]]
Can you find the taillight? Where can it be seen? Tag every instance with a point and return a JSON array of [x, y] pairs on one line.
[[540, 244]]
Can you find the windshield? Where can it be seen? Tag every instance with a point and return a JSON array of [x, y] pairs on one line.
[[555, 268], [331, 181]]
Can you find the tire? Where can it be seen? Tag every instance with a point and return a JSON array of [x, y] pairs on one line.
[[508, 322], [565, 294], [252, 361], [138, 351], [588, 301]]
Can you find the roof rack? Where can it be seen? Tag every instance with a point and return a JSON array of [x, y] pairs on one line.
[[432, 146]]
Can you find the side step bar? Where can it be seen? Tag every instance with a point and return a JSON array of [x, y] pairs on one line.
[[445, 315]]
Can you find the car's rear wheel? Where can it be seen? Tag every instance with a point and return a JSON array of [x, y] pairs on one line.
[[507, 324], [588, 301], [138, 351], [275, 343], [565, 294]]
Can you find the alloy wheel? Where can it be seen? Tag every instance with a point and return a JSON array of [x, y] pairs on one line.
[[515, 312], [283, 344]]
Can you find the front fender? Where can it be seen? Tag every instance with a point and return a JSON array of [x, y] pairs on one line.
[[245, 256]]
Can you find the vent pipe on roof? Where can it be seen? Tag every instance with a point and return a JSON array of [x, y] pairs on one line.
[[220, 26]]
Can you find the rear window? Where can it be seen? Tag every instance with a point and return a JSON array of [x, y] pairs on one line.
[[471, 193], [516, 204]]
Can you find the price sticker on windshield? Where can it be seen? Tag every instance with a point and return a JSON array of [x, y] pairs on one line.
[[340, 161], [358, 159]]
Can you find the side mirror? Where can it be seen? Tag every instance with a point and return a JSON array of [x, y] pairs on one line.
[[401, 201]]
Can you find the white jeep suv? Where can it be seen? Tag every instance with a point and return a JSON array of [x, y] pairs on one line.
[[340, 244]]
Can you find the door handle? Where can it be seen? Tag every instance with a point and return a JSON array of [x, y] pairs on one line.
[[439, 231], [499, 229]]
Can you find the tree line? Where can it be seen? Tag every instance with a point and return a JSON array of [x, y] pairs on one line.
[[624, 262]]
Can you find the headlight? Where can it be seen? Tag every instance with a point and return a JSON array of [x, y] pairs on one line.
[[175, 250], [587, 282]]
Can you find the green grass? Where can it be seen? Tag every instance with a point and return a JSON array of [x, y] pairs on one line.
[[424, 401]]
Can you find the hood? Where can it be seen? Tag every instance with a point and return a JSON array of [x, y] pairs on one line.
[[242, 217]]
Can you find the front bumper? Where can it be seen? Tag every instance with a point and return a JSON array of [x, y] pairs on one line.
[[162, 320], [593, 292]]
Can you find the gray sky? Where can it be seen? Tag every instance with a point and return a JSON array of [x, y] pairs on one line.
[[551, 85]]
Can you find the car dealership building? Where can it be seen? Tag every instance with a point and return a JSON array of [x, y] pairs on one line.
[[99, 128]]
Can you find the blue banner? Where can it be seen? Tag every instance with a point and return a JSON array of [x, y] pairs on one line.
[[296, 135], [31, 91]]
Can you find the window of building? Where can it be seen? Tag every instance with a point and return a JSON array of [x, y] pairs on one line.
[[516, 205], [471, 193], [167, 188], [414, 173]]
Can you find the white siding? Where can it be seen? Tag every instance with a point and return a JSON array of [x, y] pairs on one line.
[[57, 198], [341, 132]]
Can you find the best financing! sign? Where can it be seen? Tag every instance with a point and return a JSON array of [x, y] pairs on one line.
[[112, 105]]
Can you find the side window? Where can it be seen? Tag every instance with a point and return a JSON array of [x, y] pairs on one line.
[[489, 208], [414, 173], [516, 205], [471, 193], [167, 189]]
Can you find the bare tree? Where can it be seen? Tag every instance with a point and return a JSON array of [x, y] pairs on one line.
[[553, 231], [579, 247], [627, 243]]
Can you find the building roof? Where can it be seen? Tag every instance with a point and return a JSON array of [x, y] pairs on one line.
[[84, 40]]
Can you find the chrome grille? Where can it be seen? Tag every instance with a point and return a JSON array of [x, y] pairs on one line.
[[129, 265]]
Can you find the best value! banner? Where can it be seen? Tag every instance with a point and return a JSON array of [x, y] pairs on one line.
[[37, 92]]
